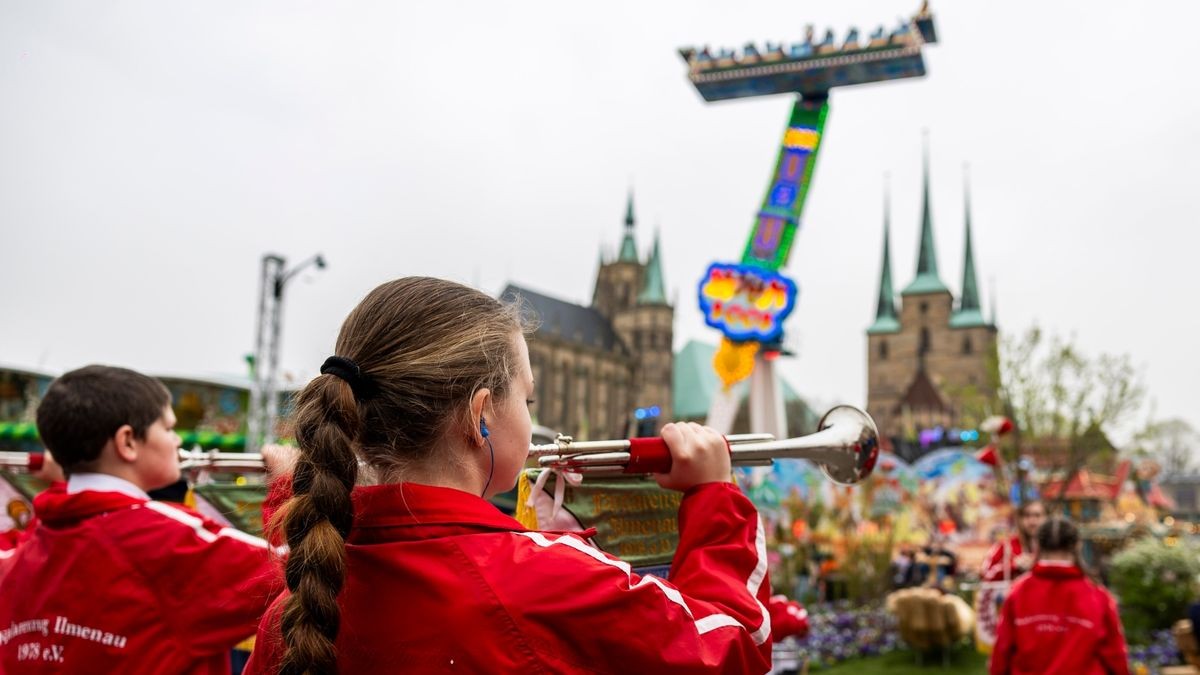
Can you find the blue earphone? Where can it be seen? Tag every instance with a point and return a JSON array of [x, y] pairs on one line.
[[483, 431]]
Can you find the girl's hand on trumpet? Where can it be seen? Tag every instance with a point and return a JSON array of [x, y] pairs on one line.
[[698, 455]]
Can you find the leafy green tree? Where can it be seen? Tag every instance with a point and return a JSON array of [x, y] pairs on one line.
[[1055, 392], [1173, 442]]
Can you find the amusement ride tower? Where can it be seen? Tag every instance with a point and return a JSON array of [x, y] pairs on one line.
[[748, 301]]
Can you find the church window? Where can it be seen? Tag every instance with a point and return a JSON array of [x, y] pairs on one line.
[[924, 307], [564, 379], [601, 408], [967, 348], [883, 349], [585, 381], [925, 345], [620, 400], [613, 414]]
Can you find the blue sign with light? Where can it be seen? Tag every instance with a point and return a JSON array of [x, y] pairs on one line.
[[746, 302]]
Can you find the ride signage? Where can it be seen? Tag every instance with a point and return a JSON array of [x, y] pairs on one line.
[[745, 302]]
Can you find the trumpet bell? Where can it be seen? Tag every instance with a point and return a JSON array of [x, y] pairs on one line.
[[845, 446], [861, 449]]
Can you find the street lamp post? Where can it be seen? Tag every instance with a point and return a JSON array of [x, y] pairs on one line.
[[264, 392]]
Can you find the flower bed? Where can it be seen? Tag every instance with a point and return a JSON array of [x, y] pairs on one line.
[[1147, 659], [840, 632]]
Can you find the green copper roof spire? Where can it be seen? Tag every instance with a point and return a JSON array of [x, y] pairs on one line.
[[927, 280], [970, 293], [969, 312], [628, 245], [885, 311], [992, 284], [653, 291]]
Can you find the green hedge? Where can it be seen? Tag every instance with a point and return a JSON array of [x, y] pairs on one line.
[[1155, 581]]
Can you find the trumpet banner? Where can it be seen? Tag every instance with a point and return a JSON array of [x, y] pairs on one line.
[[635, 519], [239, 506]]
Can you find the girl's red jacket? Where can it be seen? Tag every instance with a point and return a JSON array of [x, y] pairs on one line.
[[438, 580], [1056, 620], [112, 583]]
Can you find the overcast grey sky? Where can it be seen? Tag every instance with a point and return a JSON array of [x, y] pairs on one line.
[[153, 150]]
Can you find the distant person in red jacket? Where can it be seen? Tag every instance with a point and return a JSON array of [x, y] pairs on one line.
[[1013, 557], [398, 564], [1056, 619], [112, 581]]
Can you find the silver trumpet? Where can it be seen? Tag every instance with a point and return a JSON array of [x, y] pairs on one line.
[[213, 460], [29, 461], [233, 462], [845, 446]]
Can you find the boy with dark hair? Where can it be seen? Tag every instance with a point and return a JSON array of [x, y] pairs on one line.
[[112, 581]]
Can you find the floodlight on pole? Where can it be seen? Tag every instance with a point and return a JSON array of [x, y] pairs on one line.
[[264, 390]]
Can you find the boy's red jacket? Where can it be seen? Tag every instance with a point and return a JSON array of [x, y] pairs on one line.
[[1056, 620], [112, 583], [438, 580], [9, 540]]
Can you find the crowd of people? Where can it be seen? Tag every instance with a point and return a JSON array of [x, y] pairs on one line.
[[383, 554]]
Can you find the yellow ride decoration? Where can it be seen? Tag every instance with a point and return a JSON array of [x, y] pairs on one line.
[[734, 361]]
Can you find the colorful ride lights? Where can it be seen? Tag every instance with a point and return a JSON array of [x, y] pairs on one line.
[[937, 435], [647, 413]]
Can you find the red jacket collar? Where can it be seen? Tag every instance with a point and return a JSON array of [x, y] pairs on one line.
[[57, 508], [414, 511], [412, 504], [1056, 570]]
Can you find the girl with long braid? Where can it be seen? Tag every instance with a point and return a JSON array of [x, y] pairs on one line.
[[398, 563], [1056, 619]]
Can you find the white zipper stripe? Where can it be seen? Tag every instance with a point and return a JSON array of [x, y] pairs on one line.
[[704, 624], [197, 525]]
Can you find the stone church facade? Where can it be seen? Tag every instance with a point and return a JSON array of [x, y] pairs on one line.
[[931, 359], [595, 366]]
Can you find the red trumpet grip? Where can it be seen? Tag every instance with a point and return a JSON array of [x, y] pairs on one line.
[[651, 455], [648, 455]]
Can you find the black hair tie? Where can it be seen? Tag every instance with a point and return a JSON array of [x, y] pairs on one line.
[[345, 369]]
